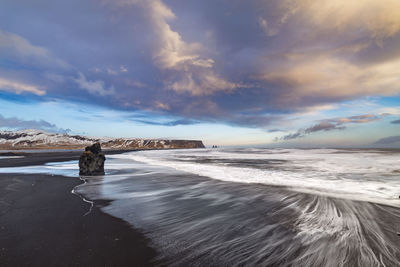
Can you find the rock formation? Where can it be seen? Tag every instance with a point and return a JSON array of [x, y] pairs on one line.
[[92, 160]]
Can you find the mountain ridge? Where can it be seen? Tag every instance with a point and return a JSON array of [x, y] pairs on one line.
[[38, 139]]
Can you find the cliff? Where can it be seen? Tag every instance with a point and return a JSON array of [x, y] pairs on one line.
[[35, 139]]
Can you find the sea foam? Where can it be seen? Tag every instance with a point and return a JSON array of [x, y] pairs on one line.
[[368, 175]]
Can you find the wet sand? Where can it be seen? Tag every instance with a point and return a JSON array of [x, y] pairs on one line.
[[40, 158], [43, 224]]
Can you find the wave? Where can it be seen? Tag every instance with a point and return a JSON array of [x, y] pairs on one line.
[[358, 175], [195, 221]]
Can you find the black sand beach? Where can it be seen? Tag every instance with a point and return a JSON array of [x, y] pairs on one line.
[[43, 224]]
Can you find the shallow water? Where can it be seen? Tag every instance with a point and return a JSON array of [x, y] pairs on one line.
[[10, 157], [255, 206]]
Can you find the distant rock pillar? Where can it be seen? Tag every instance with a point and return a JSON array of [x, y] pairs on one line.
[[92, 160]]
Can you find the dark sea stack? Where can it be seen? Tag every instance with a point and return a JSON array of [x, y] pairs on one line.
[[92, 160]]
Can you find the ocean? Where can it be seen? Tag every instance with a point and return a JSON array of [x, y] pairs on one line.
[[254, 207]]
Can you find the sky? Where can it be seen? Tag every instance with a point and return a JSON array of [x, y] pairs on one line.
[[279, 73]]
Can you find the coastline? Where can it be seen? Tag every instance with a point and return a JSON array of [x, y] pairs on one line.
[[20, 158], [43, 224], [32, 158]]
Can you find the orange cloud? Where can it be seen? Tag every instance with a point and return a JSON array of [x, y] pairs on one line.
[[380, 19], [328, 76]]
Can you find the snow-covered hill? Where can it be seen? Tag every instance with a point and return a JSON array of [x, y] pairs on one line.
[[36, 139]]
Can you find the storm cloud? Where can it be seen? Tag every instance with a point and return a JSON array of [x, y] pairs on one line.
[[244, 63]]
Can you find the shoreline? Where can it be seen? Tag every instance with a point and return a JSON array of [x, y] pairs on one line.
[[43, 223], [41, 158], [32, 158]]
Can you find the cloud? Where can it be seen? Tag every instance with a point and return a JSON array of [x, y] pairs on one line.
[[379, 19], [395, 122], [94, 87], [110, 70], [388, 140], [161, 105], [323, 126], [249, 63], [192, 71], [20, 124], [168, 123], [275, 130], [19, 87], [172, 51], [269, 31], [123, 69], [205, 84], [325, 76], [18, 48], [330, 125], [291, 136], [357, 119]]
